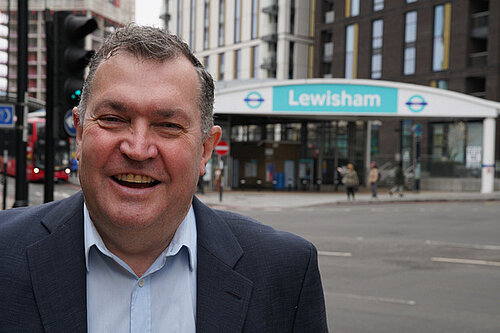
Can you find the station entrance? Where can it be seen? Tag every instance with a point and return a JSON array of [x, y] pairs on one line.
[[292, 135]]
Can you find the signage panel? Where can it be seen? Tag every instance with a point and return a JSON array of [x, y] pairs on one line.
[[335, 98]]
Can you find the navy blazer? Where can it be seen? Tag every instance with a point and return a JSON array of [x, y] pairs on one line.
[[251, 277]]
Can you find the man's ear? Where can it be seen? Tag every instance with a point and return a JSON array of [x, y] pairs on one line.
[[208, 146], [79, 130]]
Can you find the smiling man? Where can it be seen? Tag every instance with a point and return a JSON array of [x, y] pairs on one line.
[[136, 251]]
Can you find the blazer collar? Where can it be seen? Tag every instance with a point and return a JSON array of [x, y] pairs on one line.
[[57, 267], [223, 294]]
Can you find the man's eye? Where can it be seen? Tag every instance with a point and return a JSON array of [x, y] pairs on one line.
[[110, 119]]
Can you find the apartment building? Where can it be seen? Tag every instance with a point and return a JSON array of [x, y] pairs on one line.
[[254, 39], [447, 44]]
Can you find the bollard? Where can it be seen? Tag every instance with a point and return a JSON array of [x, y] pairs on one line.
[[289, 184], [242, 184], [275, 182], [259, 185]]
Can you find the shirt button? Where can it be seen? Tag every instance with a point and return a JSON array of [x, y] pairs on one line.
[[141, 283]]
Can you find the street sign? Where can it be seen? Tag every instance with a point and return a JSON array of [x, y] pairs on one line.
[[69, 126], [418, 129], [6, 115], [222, 148]]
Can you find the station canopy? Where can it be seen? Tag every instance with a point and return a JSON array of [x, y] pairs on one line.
[[347, 98]]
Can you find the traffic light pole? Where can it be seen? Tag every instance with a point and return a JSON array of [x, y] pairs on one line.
[[50, 30], [22, 100]]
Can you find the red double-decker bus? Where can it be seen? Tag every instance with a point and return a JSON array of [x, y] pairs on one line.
[[35, 151]]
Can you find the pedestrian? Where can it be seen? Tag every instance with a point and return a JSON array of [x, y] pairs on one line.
[[73, 166], [350, 180], [135, 250], [399, 182], [373, 179]]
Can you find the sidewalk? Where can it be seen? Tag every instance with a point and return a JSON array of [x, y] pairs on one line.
[[232, 199]]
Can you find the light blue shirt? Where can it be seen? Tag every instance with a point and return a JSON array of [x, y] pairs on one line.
[[162, 300]]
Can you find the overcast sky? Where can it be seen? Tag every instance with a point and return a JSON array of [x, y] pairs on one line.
[[147, 12]]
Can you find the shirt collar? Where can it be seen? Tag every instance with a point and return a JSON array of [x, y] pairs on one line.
[[185, 235]]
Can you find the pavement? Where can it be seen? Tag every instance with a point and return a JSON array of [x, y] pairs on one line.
[[244, 200]]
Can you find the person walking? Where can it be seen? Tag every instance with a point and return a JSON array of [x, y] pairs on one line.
[[350, 180], [373, 178], [399, 182]]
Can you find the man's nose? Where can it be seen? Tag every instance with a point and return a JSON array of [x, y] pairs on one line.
[[139, 145]]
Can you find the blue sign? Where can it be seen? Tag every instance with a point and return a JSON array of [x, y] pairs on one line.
[[418, 129], [6, 115], [335, 98], [254, 100], [69, 126]]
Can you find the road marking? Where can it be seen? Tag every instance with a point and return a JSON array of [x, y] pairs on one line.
[[335, 254], [471, 246], [378, 299], [467, 261]]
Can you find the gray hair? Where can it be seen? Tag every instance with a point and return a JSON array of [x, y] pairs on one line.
[[150, 43]]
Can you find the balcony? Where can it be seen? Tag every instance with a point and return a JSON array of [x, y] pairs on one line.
[[330, 16], [269, 63], [271, 9], [328, 52], [271, 38], [479, 25], [478, 59]]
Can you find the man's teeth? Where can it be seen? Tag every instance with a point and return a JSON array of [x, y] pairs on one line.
[[131, 178]]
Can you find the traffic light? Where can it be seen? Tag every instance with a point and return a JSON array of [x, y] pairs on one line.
[[71, 60]]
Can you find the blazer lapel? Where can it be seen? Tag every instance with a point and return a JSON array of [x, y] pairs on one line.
[[57, 266], [223, 294]]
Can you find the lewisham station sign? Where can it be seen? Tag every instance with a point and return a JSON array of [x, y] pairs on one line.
[[338, 97]]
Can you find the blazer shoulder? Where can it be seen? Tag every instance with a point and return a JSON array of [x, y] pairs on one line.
[[20, 227], [256, 236]]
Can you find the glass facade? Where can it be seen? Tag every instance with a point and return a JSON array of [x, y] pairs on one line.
[[410, 51], [441, 37], [377, 42], [222, 15], [237, 21], [351, 51]]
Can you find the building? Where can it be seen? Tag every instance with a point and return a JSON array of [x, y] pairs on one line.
[[254, 39], [448, 44], [108, 13], [274, 59]]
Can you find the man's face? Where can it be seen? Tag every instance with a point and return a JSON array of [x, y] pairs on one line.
[[140, 146]]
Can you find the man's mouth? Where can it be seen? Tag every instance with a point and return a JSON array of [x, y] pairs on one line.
[[135, 181]]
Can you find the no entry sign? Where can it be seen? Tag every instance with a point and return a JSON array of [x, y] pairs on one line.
[[222, 148]]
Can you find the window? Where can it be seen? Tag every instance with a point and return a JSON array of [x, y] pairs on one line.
[[351, 51], [441, 45], [377, 40], [410, 51], [255, 19], [254, 61], [192, 25], [378, 5], [290, 60], [237, 64], [206, 63], [179, 17], [222, 12], [351, 8], [237, 21], [206, 24], [292, 16], [220, 77]]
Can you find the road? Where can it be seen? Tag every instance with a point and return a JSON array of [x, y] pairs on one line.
[[426, 267]]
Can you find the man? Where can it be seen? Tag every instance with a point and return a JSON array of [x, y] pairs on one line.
[[135, 251]]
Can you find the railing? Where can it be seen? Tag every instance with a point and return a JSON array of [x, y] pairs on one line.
[[478, 59]]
